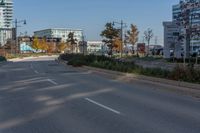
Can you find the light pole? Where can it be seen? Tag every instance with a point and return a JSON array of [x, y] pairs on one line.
[[16, 26], [83, 44], [122, 26]]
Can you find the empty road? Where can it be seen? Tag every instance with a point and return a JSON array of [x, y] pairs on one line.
[[41, 96]]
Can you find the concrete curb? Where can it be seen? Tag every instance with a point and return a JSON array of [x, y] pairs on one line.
[[32, 57], [147, 78], [132, 76]]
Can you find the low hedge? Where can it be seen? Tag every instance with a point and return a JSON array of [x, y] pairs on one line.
[[2, 58], [180, 73]]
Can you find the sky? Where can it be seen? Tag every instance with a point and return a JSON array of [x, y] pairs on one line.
[[92, 15]]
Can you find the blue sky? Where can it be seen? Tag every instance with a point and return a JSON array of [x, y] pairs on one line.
[[91, 15]]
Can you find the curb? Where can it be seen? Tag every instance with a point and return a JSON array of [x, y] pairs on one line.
[[31, 57], [132, 76], [147, 78]]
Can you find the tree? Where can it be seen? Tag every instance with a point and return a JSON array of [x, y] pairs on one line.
[[117, 44], [35, 44], [51, 47], [133, 35], [61, 47], [72, 41], [110, 34], [148, 35], [43, 45]]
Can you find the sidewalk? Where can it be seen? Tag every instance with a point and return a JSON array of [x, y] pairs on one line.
[[24, 58]]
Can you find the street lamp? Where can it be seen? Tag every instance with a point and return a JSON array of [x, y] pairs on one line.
[[83, 44], [123, 25], [16, 26]]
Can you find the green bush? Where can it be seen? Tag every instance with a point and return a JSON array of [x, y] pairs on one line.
[[188, 74], [2, 58]]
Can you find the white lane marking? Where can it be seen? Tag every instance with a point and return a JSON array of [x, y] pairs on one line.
[[36, 71], [51, 81], [103, 106]]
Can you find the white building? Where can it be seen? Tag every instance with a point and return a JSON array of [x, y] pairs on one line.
[[172, 47], [60, 33], [96, 47], [6, 17]]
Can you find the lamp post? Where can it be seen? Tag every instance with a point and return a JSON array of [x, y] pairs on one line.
[[16, 26], [122, 26], [83, 44]]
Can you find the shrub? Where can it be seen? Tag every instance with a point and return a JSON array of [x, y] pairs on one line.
[[180, 73], [2, 58]]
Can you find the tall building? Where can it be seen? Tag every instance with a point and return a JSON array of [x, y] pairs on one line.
[[6, 18], [186, 18]]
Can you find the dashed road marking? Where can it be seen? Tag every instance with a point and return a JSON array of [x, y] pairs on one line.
[[36, 71], [103, 106], [53, 82]]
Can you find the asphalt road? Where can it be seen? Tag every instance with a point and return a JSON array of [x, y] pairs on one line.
[[42, 96]]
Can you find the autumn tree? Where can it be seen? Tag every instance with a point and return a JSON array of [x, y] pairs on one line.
[[148, 35], [43, 45], [61, 46], [133, 35], [35, 44], [118, 44], [51, 47], [72, 41], [109, 35]]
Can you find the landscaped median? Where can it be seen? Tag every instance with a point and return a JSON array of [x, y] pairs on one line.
[[180, 73], [2, 59]]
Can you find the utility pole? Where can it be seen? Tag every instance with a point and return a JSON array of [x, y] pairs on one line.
[[83, 43], [16, 38], [122, 42], [122, 26]]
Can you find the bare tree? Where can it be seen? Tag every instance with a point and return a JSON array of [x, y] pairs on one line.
[[148, 35]]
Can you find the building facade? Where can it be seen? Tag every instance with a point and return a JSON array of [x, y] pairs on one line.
[[173, 47], [6, 18], [25, 43], [186, 27], [96, 47], [60, 33]]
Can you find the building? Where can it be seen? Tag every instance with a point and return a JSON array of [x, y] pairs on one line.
[[63, 34], [185, 20], [25, 43], [172, 47], [6, 17], [96, 47], [59, 33]]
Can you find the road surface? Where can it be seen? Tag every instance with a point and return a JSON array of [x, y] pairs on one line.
[[41, 96]]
